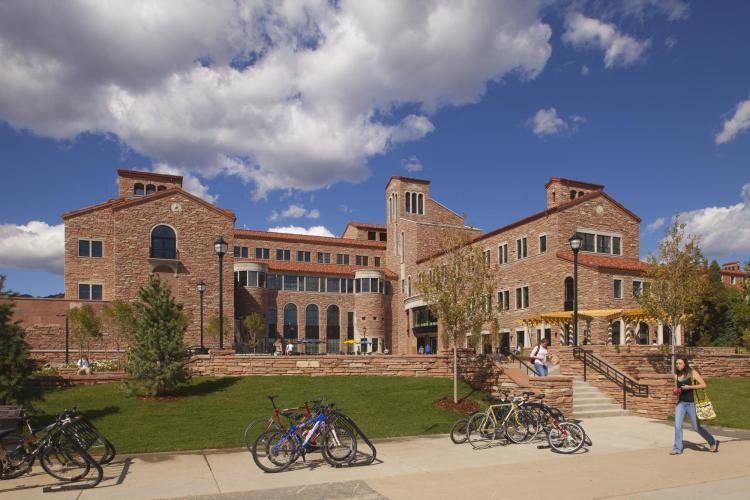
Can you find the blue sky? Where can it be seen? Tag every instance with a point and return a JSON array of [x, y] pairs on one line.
[[647, 123]]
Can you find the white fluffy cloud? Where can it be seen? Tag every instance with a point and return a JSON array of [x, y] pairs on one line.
[[546, 122], [294, 211], [311, 231], [739, 122], [655, 225], [412, 164], [35, 245], [619, 49], [281, 94], [723, 230]]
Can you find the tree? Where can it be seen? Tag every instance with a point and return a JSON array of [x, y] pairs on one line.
[[16, 365], [212, 328], [84, 326], [158, 359], [117, 319], [253, 325], [457, 287], [711, 318], [677, 279]]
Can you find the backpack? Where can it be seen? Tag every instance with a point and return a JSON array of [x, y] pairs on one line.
[[532, 359]]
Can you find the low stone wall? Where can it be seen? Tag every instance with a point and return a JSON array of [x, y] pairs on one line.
[[70, 380], [225, 364]]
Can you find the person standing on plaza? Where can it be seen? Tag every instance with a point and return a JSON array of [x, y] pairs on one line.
[[687, 381], [539, 357], [427, 348]]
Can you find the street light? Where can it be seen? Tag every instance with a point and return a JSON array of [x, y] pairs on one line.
[[67, 336], [575, 244], [221, 247], [201, 289]]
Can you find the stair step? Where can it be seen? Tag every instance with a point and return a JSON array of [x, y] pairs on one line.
[[593, 400], [599, 413], [584, 407]]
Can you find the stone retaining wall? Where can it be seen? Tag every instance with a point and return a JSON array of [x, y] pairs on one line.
[[70, 380]]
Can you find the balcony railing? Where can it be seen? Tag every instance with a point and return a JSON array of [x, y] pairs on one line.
[[164, 253]]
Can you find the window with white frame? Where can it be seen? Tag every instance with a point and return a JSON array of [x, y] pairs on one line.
[[414, 203], [487, 257], [502, 253], [282, 254], [637, 287], [522, 297], [342, 259], [601, 242], [324, 258], [303, 256], [617, 288], [522, 248], [503, 300], [262, 253], [542, 243]]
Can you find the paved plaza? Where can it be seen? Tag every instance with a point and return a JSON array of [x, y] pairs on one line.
[[629, 459]]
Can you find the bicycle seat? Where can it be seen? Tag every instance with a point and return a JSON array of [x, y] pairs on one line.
[[539, 396], [272, 397]]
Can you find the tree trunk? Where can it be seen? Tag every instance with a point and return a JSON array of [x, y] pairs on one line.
[[455, 373], [674, 337]]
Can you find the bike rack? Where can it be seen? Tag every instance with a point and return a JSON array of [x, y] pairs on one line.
[[365, 459], [81, 442]]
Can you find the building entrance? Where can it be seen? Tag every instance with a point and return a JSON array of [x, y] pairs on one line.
[[427, 340]]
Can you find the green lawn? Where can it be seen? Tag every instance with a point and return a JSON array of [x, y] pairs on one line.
[[213, 412], [730, 397]]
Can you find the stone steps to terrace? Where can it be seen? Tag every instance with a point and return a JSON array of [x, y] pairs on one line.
[[590, 402]]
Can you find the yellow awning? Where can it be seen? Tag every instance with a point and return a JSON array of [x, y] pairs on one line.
[[562, 317]]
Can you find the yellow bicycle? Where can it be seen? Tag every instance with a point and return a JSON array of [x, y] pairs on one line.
[[501, 419]]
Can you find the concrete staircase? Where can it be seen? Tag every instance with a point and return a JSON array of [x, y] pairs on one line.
[[590, 402]]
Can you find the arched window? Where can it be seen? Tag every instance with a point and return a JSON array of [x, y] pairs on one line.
[[666, 335], [616, 334], [643, 334], [161, 187], [150, 188], [138, 189], [420, 204], [569, 284], [407, 202], [395, 206], [390, 208], [414, 203], [163, 243], [290, 321], [333, 329], [573, 194], [312, 328]]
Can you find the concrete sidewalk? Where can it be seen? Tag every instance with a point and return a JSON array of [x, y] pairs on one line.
[[629, 457]]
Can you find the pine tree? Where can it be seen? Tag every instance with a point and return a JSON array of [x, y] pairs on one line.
[[158, 359], [16, 365]]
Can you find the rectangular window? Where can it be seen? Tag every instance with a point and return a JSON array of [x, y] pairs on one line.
[[303, 256], [526, 300], [262, 253], [312, 284], [603, 244], [542, 243], [502, 254], [242, 278], [350, 285], [362, 260], [520, 338], [274, 282], [522, 248], [252, 279], [588, 242], [87, 291], [342, 259], [519, 298], [332, 285], [324, 258], [236, 251], [365, 285], [272, 323], [89, 248], [487, 257], [244, 252], [377, 261], [616, 244], [374, 285], [617, 288], [282, 254], [290, 283], [371, 235], [637, 287], [383, 236], [522, 297]]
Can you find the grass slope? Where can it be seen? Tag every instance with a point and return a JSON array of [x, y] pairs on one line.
[[213, 412], [730, 397]]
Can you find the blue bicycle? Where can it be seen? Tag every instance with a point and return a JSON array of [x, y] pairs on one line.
[[326, 431]]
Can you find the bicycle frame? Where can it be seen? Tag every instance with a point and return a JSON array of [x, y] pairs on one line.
[[490, 414], [316, 421]]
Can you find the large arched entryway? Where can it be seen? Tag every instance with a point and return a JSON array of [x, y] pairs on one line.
[[333, 330], [312, 329], [290, 322]]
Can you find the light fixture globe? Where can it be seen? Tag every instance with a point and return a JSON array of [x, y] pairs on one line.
[[575, 242], [201, 286], [220, 246]]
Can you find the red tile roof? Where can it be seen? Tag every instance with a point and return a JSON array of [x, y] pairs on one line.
[[315, 268], [137, 174], [544, 213], [603, 262], [303, 238], [729, 272], [90, 208]]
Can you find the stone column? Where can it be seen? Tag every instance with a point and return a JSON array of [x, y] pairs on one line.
[[587, 332], [609, 332], [628, 332]]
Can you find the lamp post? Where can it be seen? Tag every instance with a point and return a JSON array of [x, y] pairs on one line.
[[67, 336], [201, 289], [575, 245], [220, 247]]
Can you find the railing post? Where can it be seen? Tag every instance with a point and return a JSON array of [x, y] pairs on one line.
[[624, 395], [584, 365]]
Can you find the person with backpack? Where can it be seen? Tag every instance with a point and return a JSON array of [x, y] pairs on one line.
[[539, 358]]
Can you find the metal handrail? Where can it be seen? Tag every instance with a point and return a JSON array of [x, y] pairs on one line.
[[529, 369], [612, 374]]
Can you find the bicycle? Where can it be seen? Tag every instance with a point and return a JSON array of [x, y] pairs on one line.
[[502, 418], [275, 450], [280, 419], [562, 436]]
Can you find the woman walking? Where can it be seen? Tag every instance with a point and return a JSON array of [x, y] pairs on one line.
[[688, 381]]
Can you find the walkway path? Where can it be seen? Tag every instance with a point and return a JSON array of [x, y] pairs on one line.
[[629, 457]]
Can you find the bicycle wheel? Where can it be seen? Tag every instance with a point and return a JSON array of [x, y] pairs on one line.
[[516, 428], [482, 431], [566, 437], [339, 444], [255, 428], [529, 417], [273, 451], [64, 460], [18, 461], [458, 431]]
